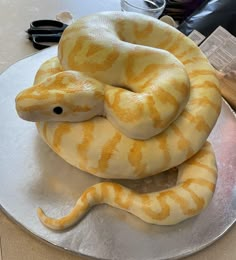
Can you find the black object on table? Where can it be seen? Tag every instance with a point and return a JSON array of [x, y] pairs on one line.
[[210, 15], [42, 32]]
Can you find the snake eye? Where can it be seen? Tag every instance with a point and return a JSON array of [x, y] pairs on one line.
[[58, 110]]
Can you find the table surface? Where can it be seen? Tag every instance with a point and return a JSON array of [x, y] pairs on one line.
[[15, 16]]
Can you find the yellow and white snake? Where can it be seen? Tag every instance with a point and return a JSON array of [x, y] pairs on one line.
[[129, 97]]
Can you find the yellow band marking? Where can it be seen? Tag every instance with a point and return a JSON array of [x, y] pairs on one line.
[[143, 33], [166, 97], [201, 182], [204, 101], [190, 49], [176, 44], [60, 131], [199, 202], [194, 60], [135, 157], [197, 120], [201, 165], [126, 114], [197, 73], [182, 88], [154, 113], [91, 66], [206, 85], [163, 144], [107, 152], [167, 40], [147, 203], [183, 144], [83, 147], [93, 49], [119, 197]]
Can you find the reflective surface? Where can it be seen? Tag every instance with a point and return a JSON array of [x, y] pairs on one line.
[[31, 175], [147, 7]]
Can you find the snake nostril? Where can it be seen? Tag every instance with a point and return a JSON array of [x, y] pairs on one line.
[[58, 110]]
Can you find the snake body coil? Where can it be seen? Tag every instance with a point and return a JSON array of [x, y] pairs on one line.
[[128, 97]]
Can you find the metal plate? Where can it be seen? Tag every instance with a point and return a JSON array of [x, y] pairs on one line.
[[31, 175]]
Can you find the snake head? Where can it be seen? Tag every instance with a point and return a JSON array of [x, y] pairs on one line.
[[65, 96]]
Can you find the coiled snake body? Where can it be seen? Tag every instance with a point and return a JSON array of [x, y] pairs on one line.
[[128, 97]]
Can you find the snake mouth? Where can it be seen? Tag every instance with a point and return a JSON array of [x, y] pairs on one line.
[[25, 116]]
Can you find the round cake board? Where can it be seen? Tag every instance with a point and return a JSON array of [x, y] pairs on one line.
[[32, 175]]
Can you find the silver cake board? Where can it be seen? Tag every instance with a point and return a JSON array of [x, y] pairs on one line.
[[32, 175]]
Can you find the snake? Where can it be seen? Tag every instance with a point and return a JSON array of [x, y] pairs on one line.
[[128, 97]]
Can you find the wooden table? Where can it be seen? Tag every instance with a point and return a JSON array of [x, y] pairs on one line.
[[15, 17]]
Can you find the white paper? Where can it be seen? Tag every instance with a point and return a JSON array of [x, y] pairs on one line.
[[220, 49], [196, 36]]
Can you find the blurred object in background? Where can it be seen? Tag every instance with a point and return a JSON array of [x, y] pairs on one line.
[[169, 20], [209, 16], [65, 17], [228, 87], [148, 7], [181, 9]]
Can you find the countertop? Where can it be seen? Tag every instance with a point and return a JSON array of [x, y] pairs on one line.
[[15, 17]]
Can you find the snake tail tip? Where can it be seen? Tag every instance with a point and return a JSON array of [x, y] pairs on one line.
[[44, 218], [41, 214], [51, 223]]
